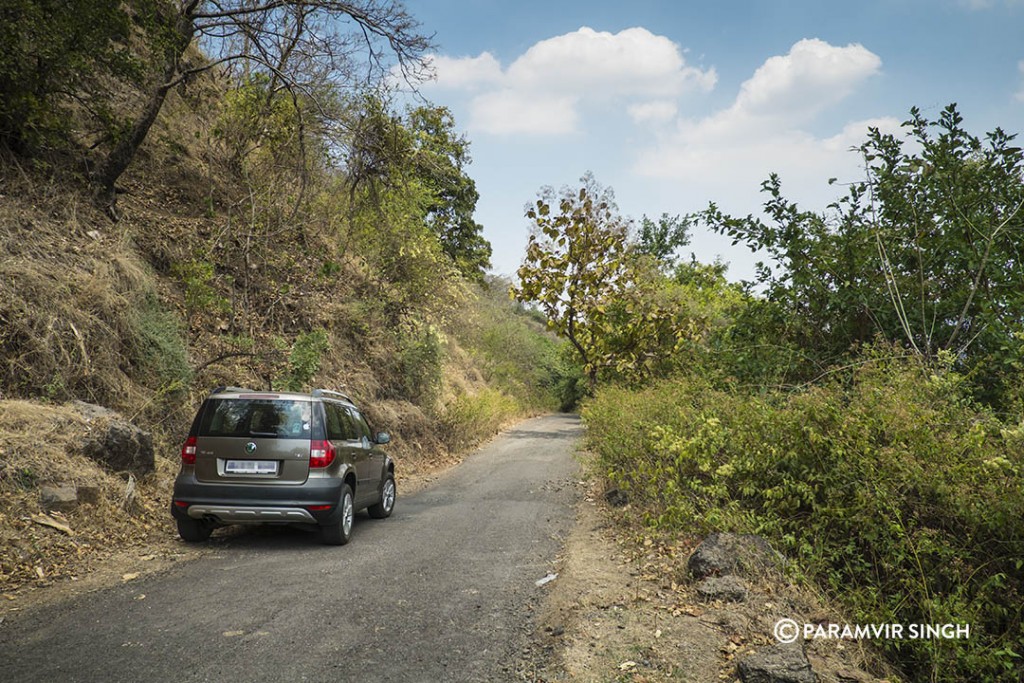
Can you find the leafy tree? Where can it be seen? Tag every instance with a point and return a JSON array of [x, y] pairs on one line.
[[300, 45], [439, 159], [575, 264], [926, 250], [420, 155], [662, 238], [584, 273], [47, 45]]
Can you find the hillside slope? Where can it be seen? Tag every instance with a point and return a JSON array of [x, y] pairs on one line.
[[225, 272]]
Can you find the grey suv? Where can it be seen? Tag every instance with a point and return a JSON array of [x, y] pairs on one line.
[[282, 458]]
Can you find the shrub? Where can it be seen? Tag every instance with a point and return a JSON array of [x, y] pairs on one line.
[[304, 360], [468, 420], [902, 498], [198, 277], [158, 347], [420, 356]]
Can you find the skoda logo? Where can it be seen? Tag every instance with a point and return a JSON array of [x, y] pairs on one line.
[[250, 448]]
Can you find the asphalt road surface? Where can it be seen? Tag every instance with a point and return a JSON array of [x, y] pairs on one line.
[[441, 591]]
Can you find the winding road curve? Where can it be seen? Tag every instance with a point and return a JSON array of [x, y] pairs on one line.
[[441, 591]]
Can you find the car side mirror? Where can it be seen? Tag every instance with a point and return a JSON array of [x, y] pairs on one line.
[[383, 437]]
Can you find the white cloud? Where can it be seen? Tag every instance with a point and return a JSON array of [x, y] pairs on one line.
[[465, 72], [658, 111], [631, 62], [506, 112], [813, 76], [765, 129], [543, 90]]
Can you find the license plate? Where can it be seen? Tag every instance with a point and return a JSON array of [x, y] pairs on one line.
[[250, 467]]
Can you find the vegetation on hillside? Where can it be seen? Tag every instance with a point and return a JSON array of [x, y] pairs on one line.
[[279, 223], [859, 404]]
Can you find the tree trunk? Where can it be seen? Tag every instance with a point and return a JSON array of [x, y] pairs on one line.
[[114, 164]]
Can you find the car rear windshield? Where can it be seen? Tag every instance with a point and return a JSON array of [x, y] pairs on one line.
[[260, 418]]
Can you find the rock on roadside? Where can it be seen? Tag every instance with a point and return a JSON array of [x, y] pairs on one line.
[[777, 664], [114, 442], [727, 588], [723, 553], [62, 498]]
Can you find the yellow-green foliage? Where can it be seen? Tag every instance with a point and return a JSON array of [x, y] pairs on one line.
[[903, 499], [469, 420], [513, 349]]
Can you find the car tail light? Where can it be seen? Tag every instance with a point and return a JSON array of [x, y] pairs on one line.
[[321, 453], [318, 508], [188, 451], [182, 503]]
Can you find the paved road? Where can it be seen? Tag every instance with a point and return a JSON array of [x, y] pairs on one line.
[[441, 591]]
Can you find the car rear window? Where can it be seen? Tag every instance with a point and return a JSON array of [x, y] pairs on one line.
[[257, 418]]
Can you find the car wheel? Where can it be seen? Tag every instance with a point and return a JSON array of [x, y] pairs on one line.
[[340, 532], [387, 499], [194, 530]]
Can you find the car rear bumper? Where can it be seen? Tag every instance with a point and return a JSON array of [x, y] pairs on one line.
[[233, 514], [242, 504]]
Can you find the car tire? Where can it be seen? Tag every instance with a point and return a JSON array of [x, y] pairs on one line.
[[194, 530], [383, 508], [340, 532]]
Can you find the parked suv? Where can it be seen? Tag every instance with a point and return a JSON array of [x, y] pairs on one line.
[[281, 458]]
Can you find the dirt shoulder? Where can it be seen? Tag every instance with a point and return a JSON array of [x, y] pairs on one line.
[[621, 609]]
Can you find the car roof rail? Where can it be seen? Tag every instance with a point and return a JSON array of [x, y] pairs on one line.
[[317, 393], [223, 389]]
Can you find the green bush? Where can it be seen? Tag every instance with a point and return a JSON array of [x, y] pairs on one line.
[[304, 360], [198, 278], [420, 358], [158, 348], [893, 491]]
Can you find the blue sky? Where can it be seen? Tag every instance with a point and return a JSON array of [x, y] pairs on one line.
[[675, 104]]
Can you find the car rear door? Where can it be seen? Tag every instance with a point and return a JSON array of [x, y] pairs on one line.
[[345, 437]]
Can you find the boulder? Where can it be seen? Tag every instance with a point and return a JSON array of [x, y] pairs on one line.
[[61, 497], [116, 443], [727, 588], [777, 664], [722, 553]]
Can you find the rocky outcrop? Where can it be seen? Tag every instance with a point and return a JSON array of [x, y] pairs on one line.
[[114, 442]]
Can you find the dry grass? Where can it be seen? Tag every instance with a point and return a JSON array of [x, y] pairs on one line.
[[39, 444]]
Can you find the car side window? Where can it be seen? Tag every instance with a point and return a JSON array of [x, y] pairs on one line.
[[348, 424], [361, 426], [335, 425]]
